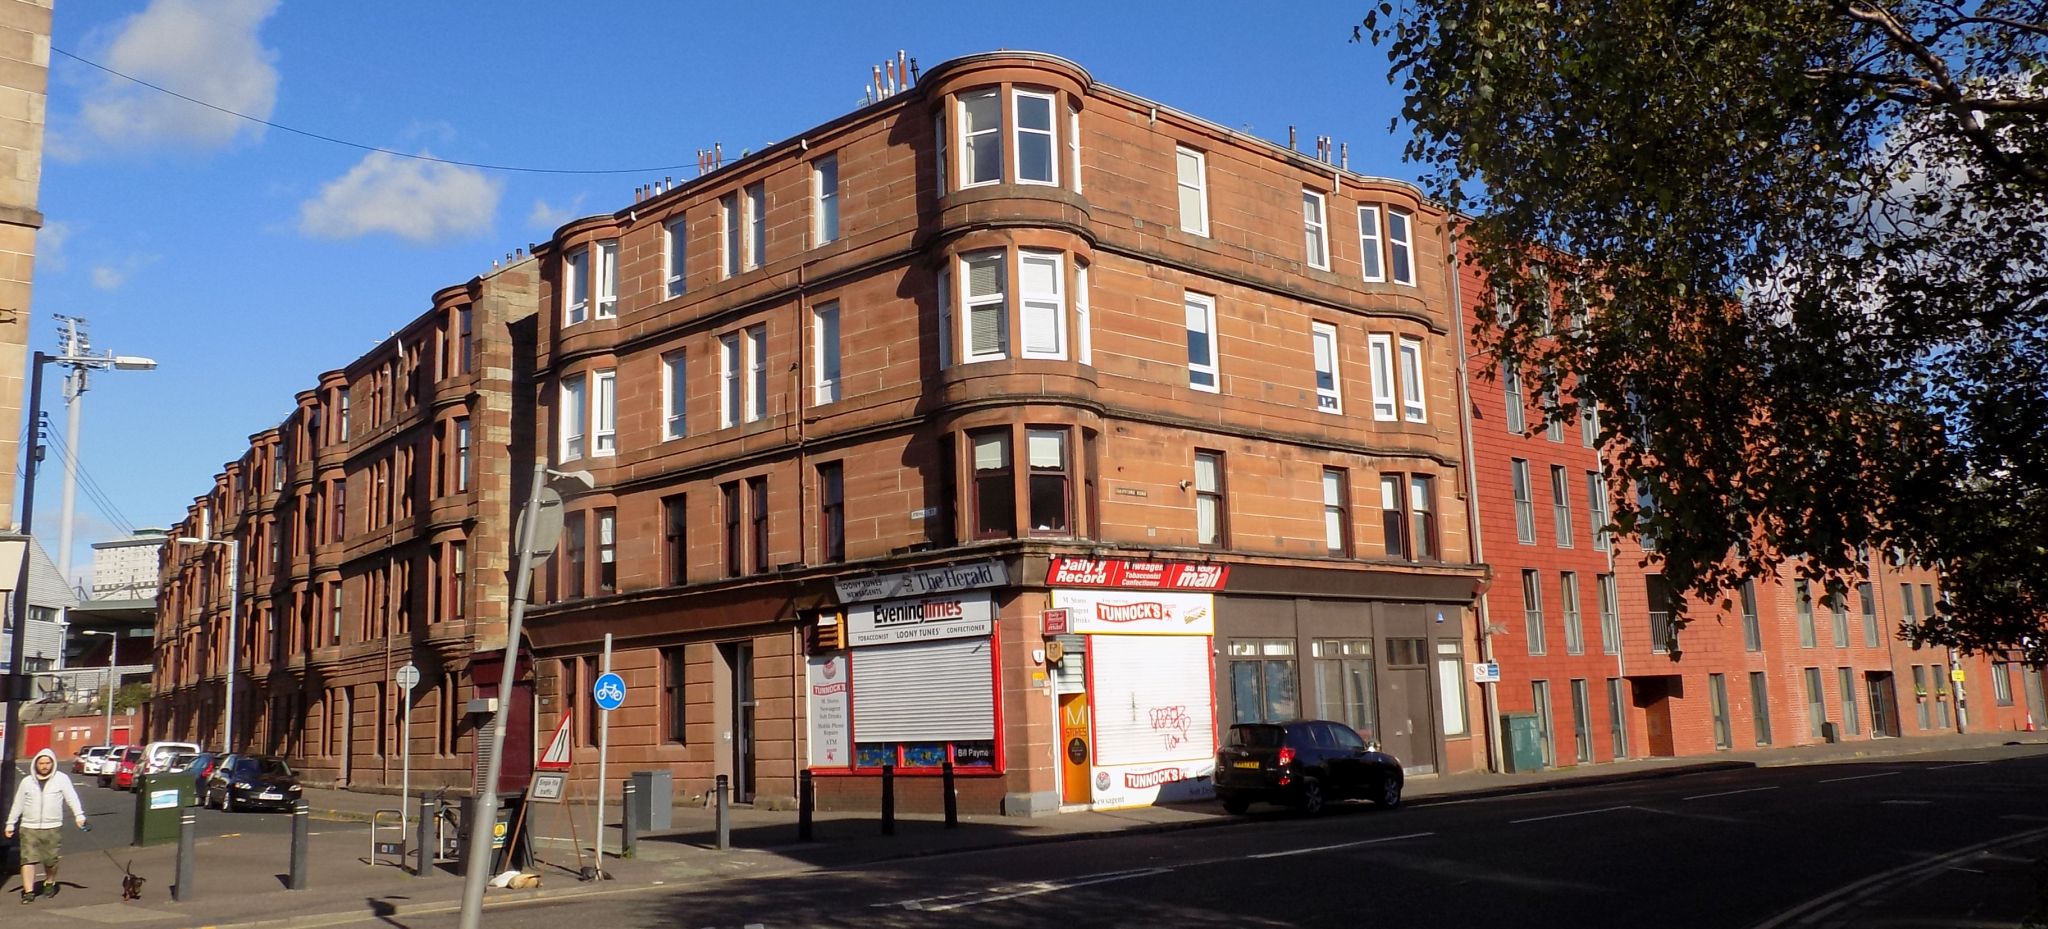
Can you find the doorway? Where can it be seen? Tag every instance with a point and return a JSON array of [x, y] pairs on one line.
[[1074, 750], [739, 667], [1884, 705], [2037, 701], [1653, 695], [1405, 705]]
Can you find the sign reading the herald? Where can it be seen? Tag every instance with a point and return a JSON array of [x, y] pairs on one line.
[[1148, 575], [973, 575], [1137, 612], [922, 619]]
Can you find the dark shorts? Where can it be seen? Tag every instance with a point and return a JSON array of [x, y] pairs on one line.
[[39, 846]]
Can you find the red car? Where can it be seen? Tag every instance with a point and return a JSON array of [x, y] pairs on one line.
[[123, 777]]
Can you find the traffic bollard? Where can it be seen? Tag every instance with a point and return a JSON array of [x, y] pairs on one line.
[[952, 799], [188, 829], [301, 847], [424, 836], [724, 827], [629, 835], [888, 799], [806, 804]]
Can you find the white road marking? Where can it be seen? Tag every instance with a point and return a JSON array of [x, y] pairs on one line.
[[1826, 905], [1043, 887], [1331, 848], [1730, 793], [1859, 777], [1538, 819], [1966, 764]]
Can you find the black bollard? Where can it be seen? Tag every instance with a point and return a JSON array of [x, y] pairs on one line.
[[424, 836], [629, 834], [724, 827], [952, 799], [806, 804], [301, 847], [888, 799], [188, 828]]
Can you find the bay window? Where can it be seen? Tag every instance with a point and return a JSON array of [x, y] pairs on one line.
[[571, 417], [607, 253], [987, 306], [575, 287], [1400, 247], [1009, 134], [1033, 111], [1044, 311], [995, 491], [1050, 497], [604, 417], [981, 148]]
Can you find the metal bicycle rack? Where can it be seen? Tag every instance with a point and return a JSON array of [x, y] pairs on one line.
[[383, 852]]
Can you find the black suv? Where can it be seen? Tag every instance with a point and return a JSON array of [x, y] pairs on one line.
[[1305, 763]]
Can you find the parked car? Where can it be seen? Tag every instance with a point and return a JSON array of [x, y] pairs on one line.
[[161, 753], [119, 770], [87, 762], [1305, 764], [249, 782], [200, 767], [181, 762]]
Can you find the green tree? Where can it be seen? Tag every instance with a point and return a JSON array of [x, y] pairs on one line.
[[1809, 240]]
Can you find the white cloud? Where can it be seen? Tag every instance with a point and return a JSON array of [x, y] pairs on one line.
[[108, 277], [204, 49], [546, 216], [50, 245], [416, 200]]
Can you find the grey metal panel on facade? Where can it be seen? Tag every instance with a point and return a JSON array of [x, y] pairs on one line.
[[45, 586]]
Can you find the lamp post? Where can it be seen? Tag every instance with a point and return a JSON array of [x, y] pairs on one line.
[[17, 679], [113, 658], [227, 713]]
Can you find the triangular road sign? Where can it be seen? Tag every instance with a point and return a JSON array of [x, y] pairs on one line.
[[556, 758]]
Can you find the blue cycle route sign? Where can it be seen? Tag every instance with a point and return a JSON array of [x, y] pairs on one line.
[[609, 691]]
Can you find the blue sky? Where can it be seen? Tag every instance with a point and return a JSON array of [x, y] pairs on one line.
[[246, 260]]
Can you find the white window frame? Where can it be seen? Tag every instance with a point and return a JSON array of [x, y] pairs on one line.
[[729, 235], [575, 284], [604, 413], [1204, 306], [675, 235], [1385, 407], [1315, 232], [1525, 501], [463, 454], [675, 401], [825, 200], [1084, 338], [1402, 245], [1055, 301], [755, 203], [757, 370], [1051, 134], [1335, 509], [1370, 256], [1000, 300], [1414, 403], [1074, 145], [825, 353], [731, 395], [605, 255], [946, 333], [968, 135], [1323, 343], [1200, 188], [941, 149], [570, 412]]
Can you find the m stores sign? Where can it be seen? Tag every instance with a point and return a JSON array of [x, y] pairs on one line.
[[1145, 575]]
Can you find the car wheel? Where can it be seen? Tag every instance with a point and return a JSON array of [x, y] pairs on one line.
[[227, 802], [1390, 793], [1236, 806], [1311, 796]]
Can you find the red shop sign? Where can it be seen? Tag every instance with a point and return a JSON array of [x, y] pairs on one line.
[[1149, 575]]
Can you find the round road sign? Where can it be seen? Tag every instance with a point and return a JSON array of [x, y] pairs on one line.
[[610, 691]]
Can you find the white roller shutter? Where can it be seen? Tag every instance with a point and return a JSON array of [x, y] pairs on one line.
[[1151, 696], [924, 692]]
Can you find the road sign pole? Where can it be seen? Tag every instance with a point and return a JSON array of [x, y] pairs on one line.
[[408, 677], [604, 744]]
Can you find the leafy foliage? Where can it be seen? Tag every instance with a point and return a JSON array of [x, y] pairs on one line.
[[1808, 241]]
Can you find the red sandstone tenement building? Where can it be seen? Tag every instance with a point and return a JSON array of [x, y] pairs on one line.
[[1012, 421]]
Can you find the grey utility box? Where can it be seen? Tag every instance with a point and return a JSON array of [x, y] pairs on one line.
[[653, 801]]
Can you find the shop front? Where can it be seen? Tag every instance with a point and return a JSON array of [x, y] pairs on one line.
[[913, 686], [1136, 707]]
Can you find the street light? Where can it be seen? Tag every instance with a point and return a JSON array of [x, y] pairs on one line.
[[227, 713], [17, 689], [113, 655]]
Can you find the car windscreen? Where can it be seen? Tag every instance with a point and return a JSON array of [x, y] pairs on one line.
[[262, 767], [1254, 736]]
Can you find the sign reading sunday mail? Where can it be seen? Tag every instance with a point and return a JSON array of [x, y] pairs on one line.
[[920, 619], [973, 575]]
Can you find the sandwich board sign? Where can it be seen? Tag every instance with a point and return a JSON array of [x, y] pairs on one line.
[[556, 758]]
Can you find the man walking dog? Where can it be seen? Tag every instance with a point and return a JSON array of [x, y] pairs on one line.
[[39, 811]]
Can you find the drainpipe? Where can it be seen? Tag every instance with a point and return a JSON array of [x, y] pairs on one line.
[[1489, 697]]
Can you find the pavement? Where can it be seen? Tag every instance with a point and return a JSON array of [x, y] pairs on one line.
[[242, 857]]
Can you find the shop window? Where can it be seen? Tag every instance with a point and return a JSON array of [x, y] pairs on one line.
[[1211, 515], [1051, 483], [1264, 685], [995, 490], [897, 722], [1345, 687]]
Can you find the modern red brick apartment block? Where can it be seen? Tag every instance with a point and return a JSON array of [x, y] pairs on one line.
[[373, 529], [1580, 620], [1080, 422], [1011, 421]]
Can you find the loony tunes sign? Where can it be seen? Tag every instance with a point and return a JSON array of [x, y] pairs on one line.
[[1137, 612]]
